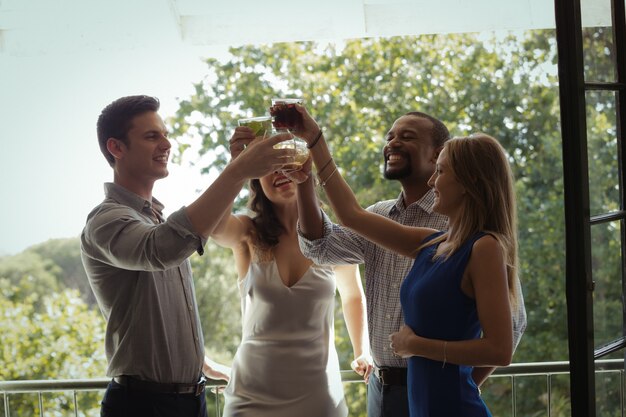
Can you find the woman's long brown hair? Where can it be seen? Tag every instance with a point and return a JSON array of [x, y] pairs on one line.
[[267, 225]]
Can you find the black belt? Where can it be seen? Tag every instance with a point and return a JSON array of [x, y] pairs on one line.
[[161, 388], [390, 376]]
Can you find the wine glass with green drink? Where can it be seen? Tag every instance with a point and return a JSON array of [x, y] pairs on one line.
[[261, 126]]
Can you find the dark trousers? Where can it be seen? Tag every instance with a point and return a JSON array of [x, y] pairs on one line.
[[119, 401], [387, 400]]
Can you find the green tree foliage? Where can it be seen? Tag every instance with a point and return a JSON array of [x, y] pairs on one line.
[[48, 267], [50, 336], [48, 331], [65, 253], [27, 275]]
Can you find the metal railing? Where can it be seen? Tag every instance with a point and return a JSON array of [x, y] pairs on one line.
[[513, 371]]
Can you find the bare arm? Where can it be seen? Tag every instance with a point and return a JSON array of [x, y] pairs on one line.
[[385, 232], [355, 315], [319, 239], [232, 230], [309, 214], [215, 370], [258, 159], [480, 374], [487, 273]]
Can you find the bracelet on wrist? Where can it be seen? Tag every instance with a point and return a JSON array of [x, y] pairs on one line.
[[321, 170], [323, 183], [314, 142]]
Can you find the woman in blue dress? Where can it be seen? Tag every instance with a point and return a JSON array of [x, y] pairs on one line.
[[458, 297]]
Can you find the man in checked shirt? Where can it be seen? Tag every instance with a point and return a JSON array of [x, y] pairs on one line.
[[413, 144]]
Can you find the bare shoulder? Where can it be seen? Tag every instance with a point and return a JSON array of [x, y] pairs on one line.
[[487, 255], [487, 245], [486, 262], [245, 247], [246, 226], [236, 232], [245, 220], [486, 251]]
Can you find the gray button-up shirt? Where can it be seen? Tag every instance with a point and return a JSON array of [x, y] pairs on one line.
[[138, 269], [384, 270]]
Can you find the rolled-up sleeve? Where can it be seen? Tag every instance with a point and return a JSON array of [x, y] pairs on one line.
[[338, 245], [120, 236]]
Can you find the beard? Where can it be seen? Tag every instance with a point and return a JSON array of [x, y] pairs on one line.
[[397, 174]]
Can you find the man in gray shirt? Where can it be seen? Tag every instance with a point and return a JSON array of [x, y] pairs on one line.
[[137, 263], [410, 154]]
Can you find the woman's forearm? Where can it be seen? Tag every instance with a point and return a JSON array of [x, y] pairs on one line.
[[478, 352], [355, 316], [309, 214], [340, 195], [350, 289]]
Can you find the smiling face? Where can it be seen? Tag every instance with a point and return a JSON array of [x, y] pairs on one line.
[[278, 188], [409, 152], [449, 193], [144, 158]]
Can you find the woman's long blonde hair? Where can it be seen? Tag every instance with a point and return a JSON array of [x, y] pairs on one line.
[[480, 165]]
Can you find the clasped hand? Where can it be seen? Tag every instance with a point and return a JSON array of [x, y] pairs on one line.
[[401, 342], [214, 370], [256, 156], [363, 365], [300, 175]]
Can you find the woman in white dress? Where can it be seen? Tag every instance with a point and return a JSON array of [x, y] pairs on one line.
[[286, 364]]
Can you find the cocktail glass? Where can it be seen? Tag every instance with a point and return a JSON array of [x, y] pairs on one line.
[[284, 113], [296, 143]]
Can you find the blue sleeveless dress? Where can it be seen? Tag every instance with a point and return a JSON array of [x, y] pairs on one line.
[[435, 307]]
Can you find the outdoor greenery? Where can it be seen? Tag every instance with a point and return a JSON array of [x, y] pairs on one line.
[[505, 86], [48, 331]]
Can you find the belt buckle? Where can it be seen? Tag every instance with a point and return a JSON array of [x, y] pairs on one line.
[[380, 373], [200, 386]]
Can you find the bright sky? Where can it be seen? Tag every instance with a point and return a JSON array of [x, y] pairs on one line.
[[53, 170]]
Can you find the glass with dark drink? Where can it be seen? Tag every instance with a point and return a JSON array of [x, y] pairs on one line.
[[284, 113]]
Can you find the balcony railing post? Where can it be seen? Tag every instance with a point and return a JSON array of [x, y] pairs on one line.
[[513, 396], [75, 404], [40, 404], [622, 391], [218, 412], [549, 381]]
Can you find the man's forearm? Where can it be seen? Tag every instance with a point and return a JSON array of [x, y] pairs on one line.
[[206, 212]]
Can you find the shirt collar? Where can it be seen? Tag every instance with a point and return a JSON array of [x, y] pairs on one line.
[[130, 199], [425, 203]]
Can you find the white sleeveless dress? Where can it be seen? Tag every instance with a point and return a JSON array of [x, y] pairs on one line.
[[286, 364]]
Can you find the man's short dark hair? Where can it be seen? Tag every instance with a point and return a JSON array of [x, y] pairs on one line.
[[440, 132], [116, 118]]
